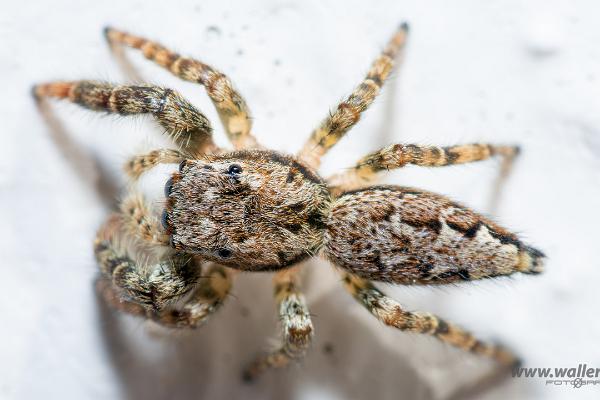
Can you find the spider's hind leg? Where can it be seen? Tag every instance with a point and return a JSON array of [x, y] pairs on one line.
[[392, 313]]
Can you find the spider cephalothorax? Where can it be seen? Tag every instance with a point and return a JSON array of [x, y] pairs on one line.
[[253, 210], [258, 210]]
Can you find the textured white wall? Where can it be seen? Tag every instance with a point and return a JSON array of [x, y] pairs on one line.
[[501, 71]]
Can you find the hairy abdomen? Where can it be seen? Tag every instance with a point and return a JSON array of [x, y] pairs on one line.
[[409, 236]]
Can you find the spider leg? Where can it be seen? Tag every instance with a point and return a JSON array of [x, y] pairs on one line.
[[110, 294], [347, 113], [153, 287], [296, 325], [230, 105], [399, 155], [183, 123], [125, 287], [391, 313], [206, 299], [137, 165], [209, 296], [139, 221]]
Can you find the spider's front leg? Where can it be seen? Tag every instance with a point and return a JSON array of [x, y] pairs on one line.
[[230, 105], [139, 164], [163, 283], [147, 292], [139, 221], [208, 296], [391, 313], [296, 325], [399, 155], [183, 123]]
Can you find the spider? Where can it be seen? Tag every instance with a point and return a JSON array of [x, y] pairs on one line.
[[254, 209]]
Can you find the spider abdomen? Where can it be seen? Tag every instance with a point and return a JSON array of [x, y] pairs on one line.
[[409, 236]]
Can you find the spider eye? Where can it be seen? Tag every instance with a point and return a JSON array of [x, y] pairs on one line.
[[234, 169], [224, 253], [169, 187], [164, 220]]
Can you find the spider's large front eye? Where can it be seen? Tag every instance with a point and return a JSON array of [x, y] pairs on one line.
[[169, 187], [234, 169], [224, 253]]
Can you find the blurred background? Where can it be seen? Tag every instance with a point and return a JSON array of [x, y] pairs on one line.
[[495, 71]]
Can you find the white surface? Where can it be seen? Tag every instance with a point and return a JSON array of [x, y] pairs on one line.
[[502, 71]]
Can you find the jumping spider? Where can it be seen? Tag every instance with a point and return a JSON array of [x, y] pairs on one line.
[[259, 210]]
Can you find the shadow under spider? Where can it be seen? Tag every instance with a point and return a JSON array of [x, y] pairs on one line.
[[206, 363], [86, 164]]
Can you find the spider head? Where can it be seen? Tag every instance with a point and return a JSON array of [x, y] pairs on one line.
[[253, 210]]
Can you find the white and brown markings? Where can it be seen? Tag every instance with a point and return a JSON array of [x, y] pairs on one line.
[[259, 210], [410, 236]]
